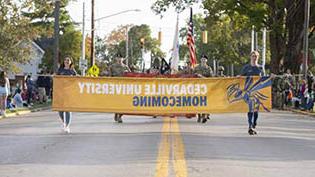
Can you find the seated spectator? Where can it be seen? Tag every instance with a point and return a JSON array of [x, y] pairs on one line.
[[296, 101], [17, 99], [9, 106]]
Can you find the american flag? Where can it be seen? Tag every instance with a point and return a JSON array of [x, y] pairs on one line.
[[191, 41]]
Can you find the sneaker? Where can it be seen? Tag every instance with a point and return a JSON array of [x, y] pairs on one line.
[[115, 117], [119, 120], [199, 118], [204, 120], [251, 131], [254, 125], [67, 129]]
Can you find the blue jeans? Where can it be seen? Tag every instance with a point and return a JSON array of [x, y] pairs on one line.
[[65, 117], [252, 119]]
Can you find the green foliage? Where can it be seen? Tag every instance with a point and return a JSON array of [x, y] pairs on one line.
[[116, 43], [15, 35], [229, 24], [227, 43], [101, 49], [70, 44], [161, 6], [42, 15]]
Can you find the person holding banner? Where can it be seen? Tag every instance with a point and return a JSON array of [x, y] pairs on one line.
[[252, 69], [203, 70], [117, 69], [66, 68]]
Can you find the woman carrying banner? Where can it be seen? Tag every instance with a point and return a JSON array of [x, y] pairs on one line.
[[4, 92], [252, 69], [66, 68]]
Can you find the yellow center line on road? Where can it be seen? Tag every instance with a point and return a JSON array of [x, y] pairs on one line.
[[171, 138], [179, 162], [164, 150]]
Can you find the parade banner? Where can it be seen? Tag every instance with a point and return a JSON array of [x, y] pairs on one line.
[[161, 95]]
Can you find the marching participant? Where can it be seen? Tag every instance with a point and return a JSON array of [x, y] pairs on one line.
[[117, 69], [66, 68], [203, 70], [252, 69]]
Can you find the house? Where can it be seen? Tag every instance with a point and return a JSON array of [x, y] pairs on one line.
[[32, 67]]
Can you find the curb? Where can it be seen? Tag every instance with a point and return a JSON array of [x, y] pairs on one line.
[[301, 112], [18, 113]]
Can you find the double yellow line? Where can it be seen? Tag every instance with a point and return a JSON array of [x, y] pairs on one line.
[[171, 146]]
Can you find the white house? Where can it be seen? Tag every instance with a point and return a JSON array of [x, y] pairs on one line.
[[32, 67]]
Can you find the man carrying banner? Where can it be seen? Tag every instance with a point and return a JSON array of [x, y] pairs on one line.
[[252, 69], [117, 69], [203, 70]]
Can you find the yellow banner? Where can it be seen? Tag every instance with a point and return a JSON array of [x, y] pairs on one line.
[[161, 95]]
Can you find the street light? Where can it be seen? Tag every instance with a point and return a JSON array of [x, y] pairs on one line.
[[101, 18], [118, 13]]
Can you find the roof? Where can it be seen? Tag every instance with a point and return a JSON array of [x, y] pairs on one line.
[[38, 47]]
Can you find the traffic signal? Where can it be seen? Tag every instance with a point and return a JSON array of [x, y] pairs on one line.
[[88, 42], [142, 43], [205, 37], [160, 37]]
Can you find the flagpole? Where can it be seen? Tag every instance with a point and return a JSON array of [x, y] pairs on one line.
[[191, 41], [175, 52]]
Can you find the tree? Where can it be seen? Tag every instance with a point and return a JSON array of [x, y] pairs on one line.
[[160, 6], [283, 19], [235, 51], [101, 49], [116, 43], [15, 35], [42, 15], [295, 27]]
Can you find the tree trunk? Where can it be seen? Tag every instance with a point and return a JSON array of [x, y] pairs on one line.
[[277, 35], [276, 49], [295, 26]]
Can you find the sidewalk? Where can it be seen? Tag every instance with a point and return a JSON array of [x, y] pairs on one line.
[[25, 110], [300, 111]]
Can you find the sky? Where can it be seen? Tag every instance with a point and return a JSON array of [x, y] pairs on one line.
[[146, 16]]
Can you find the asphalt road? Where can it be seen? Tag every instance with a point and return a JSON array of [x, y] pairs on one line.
[[33, 145]]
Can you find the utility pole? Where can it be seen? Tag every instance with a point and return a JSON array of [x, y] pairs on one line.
[[264, 51], [83, 61], [92, 34], [56, 35], [306, 27]]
